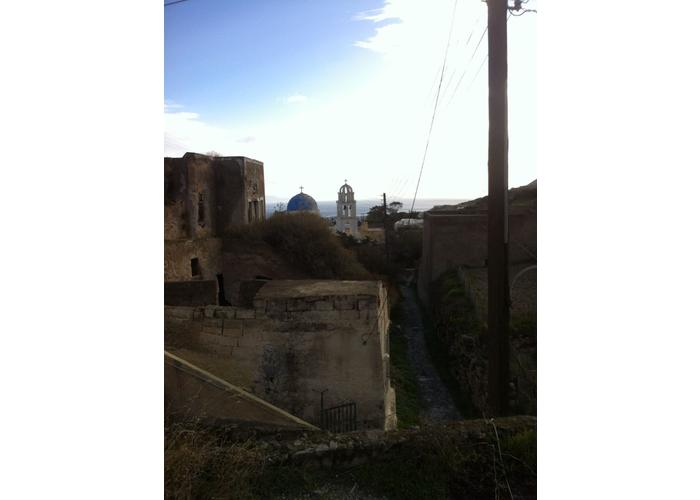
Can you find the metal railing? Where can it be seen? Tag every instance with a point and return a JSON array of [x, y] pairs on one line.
[[341, 418]]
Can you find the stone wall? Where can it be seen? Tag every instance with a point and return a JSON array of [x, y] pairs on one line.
[[451, 240], [195, 394], [191, 293], [179, 255], [205, 196], [300, 339]]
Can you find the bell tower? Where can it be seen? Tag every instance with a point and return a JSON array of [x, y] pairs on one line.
[[346, 218]]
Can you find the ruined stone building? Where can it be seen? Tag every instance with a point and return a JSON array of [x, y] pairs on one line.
[[260, 352], [205, 196], [346, 218]]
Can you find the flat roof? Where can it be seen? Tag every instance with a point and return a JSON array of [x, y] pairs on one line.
[[288, 289]]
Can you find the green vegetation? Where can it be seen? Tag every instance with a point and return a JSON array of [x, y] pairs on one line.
[[523, 445], [403, 376], [454, 313], [304, 241], [441, 358], [435, 463]]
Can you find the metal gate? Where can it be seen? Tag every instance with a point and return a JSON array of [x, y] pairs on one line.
[[341, 418]]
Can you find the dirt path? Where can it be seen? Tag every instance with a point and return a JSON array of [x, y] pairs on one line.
[[438, 402]]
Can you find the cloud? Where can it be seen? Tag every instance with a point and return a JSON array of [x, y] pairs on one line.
[[373, 130], [297, 98]]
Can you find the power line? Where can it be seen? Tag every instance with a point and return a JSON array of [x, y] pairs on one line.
[[437, 97], [459, 82], [174, 2], [477, 71], [469, 38]]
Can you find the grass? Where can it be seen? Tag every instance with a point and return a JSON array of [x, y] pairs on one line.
[[440, 356], [435, 463], [403, 376]]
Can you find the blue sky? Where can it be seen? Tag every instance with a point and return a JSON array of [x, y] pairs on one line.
[[322, 90]]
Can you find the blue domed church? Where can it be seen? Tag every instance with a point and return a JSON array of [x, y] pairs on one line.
[[302, 202]]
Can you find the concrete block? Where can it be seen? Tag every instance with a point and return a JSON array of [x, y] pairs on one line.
[[316, 316], [344, 303], [351, 314], [298, 305], [245, 314], [211, 322], [363, 304], [210, 330], [209, 311], [323, 305], [233, 328], [178, 312], [274, 306]]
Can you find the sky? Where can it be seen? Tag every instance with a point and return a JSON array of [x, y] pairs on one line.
[[322, 91]]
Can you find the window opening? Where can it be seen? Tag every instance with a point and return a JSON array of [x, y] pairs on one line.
[[194, 264]]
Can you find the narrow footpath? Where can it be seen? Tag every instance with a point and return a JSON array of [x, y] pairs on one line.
[[439, 406]]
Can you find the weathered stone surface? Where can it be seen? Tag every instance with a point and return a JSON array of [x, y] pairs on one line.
[[245, 313], [323, 305], [286, 357], [349, 314], [344, 303]]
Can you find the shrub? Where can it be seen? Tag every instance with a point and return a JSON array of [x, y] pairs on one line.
[[305, 241]]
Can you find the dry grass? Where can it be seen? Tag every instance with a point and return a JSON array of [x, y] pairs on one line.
[[198, 465]]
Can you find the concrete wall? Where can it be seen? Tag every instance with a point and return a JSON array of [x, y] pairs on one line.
[[451, 240], [191, 293], [300, 338], [193, 393]]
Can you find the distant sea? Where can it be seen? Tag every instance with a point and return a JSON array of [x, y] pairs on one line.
[[328, 208]]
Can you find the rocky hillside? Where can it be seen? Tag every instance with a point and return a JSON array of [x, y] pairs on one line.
[[523, 196]]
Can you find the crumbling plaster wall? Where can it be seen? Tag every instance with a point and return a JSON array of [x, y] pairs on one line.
[[292, 345]]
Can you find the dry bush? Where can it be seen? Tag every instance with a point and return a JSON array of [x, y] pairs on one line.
[[304, 241], [198, 465]]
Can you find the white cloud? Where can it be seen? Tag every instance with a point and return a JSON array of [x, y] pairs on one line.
[[297, 98], [373, 133]]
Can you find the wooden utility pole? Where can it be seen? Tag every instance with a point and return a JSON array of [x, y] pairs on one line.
[[386, 233], [498, 300]]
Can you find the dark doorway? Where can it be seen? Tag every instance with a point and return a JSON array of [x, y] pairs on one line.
[[194, 264], [222, 291]]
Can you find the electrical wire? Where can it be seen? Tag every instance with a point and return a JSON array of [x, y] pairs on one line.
[[437, 97]]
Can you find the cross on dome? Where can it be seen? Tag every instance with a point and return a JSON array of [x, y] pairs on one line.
[[301, 188]]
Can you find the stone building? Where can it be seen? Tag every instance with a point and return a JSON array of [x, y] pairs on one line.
[[346, 218], [205, 196], [318, 350]]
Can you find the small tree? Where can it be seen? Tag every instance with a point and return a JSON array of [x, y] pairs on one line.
[[394, 207]]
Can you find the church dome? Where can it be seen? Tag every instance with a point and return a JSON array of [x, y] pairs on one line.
[[302, 202]]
